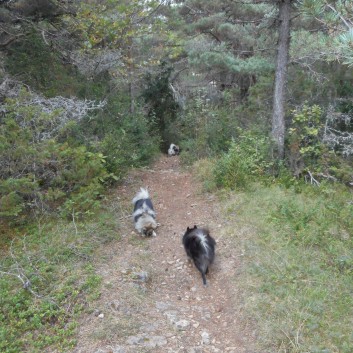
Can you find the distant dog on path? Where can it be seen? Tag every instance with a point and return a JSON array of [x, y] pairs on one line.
[[200, 247], [144, 214], [173, 150]]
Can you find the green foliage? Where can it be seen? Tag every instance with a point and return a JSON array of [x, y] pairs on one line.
[[227, 61], [125, 140], [112, 24], [307, 152], [246, 161], [314, 44], [14, 193], [40, 174], [49, 164], [310, 222], [306, 128], [299, 248], [256, 110], [338, 167], [304, 138], [55, 261], [336, 19], [162, 105], [22, 315], [130, 144], [194, 128], [203, 170], [345, 42], [32, 61], [84, 201], [204, 130]]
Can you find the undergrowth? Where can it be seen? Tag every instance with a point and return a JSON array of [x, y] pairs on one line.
[[298, 249], [47, 279]]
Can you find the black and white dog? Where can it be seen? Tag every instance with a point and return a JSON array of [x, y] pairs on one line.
[[144, 214], [200, 247], [173, 150]]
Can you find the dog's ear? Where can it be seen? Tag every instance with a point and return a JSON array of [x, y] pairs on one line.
[[187, 229], [195, 226]]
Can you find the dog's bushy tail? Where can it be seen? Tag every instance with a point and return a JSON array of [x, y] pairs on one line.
[[141, 195]]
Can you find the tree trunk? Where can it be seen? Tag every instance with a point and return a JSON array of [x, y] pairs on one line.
[[131, 75], [278, 115]]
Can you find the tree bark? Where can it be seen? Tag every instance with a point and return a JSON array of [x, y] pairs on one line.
[[278, 115], [130, 73]]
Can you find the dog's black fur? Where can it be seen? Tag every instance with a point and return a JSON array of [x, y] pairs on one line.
[[200, 247], [173, 150], [139, 204], [176, 149]]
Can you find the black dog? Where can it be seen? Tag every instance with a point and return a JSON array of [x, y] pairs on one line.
[[200, 247]]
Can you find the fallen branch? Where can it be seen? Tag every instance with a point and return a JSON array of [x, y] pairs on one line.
[[327, 176], [19, 273], [312, 179]]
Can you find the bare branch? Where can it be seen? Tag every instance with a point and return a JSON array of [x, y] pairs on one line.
[[349, 26], [60, 109], [327, 176], [335, 137], [19, 273], [312, 179]]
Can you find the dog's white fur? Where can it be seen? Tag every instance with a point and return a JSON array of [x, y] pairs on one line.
[[145, 223], [141, 195], [173, 150], [203, 241]]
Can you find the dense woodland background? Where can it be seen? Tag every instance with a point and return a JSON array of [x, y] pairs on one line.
[[254, 92]]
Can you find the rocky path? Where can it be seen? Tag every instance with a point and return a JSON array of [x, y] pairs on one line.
[[153, 299]]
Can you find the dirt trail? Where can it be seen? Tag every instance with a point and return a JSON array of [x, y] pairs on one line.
[[153, 298]]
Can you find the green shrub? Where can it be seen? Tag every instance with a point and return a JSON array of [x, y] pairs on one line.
[[305, 147], [162, 106], [204, 130], [15, 195], [130, 144], [193, 150], [30, 60], [41, 174], [84, 201], [308, 155], [335, 167], [246, 160], [53, 160], [203, 170]]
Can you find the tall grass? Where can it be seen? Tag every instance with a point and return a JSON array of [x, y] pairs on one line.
[[298, 265]]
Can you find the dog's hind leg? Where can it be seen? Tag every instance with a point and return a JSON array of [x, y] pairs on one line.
[[204, 279], [203, 269]]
